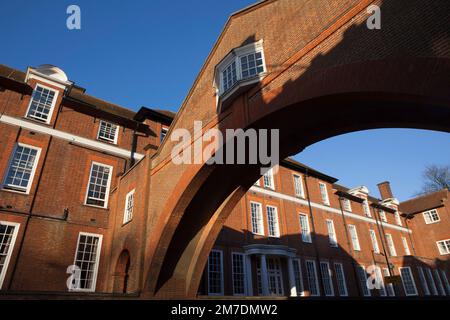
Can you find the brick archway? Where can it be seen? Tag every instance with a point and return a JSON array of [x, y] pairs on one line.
[[340, 91]]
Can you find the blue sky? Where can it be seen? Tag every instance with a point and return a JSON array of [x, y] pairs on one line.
[[148, 53]]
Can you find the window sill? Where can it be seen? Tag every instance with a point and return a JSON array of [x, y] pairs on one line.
[[25, 193], [127, 223], [45, 123], [96, 207]]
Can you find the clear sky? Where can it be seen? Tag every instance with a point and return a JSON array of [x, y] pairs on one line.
[[137, 53]]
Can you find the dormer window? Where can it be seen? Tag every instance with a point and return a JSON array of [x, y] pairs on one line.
[[108, 132], [42, 104], [240, 68]]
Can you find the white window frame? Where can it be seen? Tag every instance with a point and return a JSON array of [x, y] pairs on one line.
[[298, 275], [446, 243], [10, 249], [447, 284], [243, 256], [398, 219], [269, 175], [305, 229], [298, 186], [235, 56], [97, 260], [332, 237], [163, 134], [433, 286], [423, 281], [259, 219], [312, 282], [104, 139], [274, 221], [383, 216], [354, 237], [366, 208], [127, 215], [428, 216], [221, 275], [18, 189], [347, 204], [374, 240], [406, 246], [413, 282], [440, 285], [327, 279], [362, 279], [391, 245], [52, 107], [108, 186], [340, 279], [324, 193]]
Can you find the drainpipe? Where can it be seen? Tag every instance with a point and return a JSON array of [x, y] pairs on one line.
[[319, 273], [355, 273]]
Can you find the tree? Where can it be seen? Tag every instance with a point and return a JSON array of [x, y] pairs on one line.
[[435, 178]]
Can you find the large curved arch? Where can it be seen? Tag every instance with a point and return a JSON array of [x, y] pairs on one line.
[[310, 121], [336, 93]]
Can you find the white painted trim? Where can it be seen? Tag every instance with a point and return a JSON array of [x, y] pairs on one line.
[[261, 219], [270, 250], [52, 107], [33, 170], [325, 200], [355, 240], [412, 279], [326, 208], [233, 253], [442, 253], [306, 238], [330, 278], [221, 275], [127, 219], [344, 280], [108, 186], [391, 244], [116, 133], [96, 145], [276, 223], [97, 259], [332, 241], [10, 249], [32, 74], [430, 221], [316, 276]]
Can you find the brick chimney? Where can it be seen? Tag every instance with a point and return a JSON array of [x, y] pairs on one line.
[[385, 190]]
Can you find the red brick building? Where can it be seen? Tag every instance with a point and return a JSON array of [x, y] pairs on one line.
[[73, 193]]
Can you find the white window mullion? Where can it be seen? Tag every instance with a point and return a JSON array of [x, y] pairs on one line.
[[423, 281], [313, 282], [238, 273], [408, 281], [305, 230], [8, 236], [354, 237], [87, 258], [331, 233], [257, 218], [340, 278], [215, 273], [326, 278], [272, 221]]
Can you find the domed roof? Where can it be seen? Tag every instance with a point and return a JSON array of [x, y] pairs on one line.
[[52, 71]]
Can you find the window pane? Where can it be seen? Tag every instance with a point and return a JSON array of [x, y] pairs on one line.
[[20, 170], [41, 103]]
